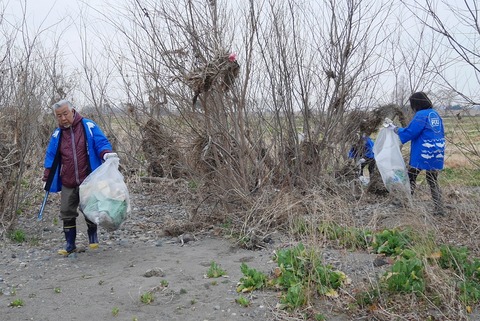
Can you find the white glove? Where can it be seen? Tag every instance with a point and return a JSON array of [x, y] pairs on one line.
[[360, 161], [109, 155], [387, 122], [392, 127]]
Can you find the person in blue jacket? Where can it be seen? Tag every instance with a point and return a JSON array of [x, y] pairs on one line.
[[76, 148], [427, 150], [362, 153]]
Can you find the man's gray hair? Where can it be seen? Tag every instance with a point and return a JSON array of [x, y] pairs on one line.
[[61, 103]]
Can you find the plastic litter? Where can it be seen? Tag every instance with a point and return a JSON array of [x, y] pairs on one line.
[[104, 197]]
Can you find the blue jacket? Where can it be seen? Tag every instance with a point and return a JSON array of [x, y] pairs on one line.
[[97, 142], [365, 152], [426, 133]]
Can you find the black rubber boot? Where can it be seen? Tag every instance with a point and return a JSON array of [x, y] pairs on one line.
[[92, 234], [70, 230]]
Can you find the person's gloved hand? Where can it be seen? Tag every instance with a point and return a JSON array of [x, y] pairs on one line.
[[360, 162], [387, 122], [392, 127], [109, 155]]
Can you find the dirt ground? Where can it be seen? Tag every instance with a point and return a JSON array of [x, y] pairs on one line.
[[107, 283]]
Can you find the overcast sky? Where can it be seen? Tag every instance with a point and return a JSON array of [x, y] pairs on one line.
[[66, 18]]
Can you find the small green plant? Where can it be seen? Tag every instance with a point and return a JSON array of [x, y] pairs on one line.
[[57, 290], [251, 279], [348, 237], [183, 291], [367, 298], [406, 276], [16, 303], [17, 236], [391, 241], [320, 317], [227, 224], [296, 296], [55, 221], [193, 301], [452, 257], [192, 184], [300, 226], [115, 311], [147, 298], [300, 271], [458, 259], [243, 301], [24, 183], [164, 283], [215, 271]]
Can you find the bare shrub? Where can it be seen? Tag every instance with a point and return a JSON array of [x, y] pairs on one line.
[[161, 152]]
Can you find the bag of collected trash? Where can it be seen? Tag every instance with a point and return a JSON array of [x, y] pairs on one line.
[[390, 163], [104, 197]]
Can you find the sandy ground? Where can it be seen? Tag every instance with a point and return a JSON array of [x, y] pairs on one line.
[[107, 283], [93, 284]]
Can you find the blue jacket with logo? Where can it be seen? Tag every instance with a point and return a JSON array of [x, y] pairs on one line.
[[96, 144], [426, 133]]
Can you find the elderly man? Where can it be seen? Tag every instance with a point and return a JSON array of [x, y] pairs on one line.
[[76, 148]]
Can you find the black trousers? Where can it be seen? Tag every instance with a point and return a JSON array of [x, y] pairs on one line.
[[432, 179]]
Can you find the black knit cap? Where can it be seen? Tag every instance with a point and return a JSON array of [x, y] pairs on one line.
[[420, 101]]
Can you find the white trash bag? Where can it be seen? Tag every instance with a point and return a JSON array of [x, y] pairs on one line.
[[104, 197], [390, 163]]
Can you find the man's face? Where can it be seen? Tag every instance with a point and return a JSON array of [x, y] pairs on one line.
[[64, 116]]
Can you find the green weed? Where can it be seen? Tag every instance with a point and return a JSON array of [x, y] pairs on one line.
[[319, 317], [367, 298], [251, 279], [16, 303], [227, 224], [300, 271], [115, 311], [458, 259], [215, 271], [348, 237], [243, 301], [391, 241], [17, 236], [164, 283], [460, 176], [147, 298], [192, 184], [451, 257], [405, 276]]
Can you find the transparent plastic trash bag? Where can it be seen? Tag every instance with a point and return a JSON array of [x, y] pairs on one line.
[[390, 163], [104, 197]]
